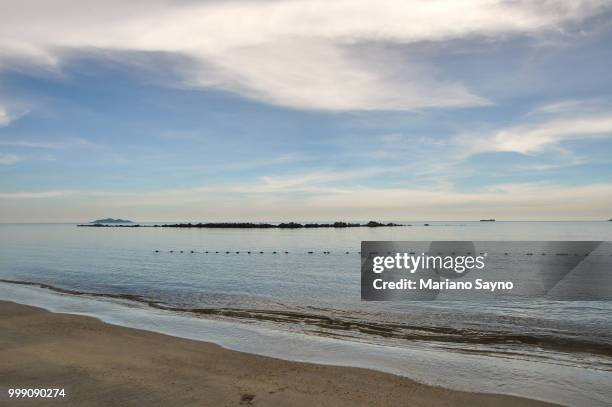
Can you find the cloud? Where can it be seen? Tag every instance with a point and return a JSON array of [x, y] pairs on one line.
[[5, 118], [29, 144], [10, 110], [310, 182], [573, 107], [537, 201], [537, 137], [64, 143], [307, 54], [36, 195], [513, 201], [565, 106], [9, 159]]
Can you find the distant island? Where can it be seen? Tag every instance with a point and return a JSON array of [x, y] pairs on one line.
[[241, 225], [111, 220], [487, 220]]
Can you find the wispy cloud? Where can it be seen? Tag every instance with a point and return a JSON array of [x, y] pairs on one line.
[[308, 54], [60, 143], [504, 201], [9, 159], [539, 135], [10, 110], [37, 194], [28, 144], [311, 182], [4, 117], [570, 106]]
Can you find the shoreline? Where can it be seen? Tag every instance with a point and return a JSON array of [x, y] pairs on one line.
[[101, 364], [444, 335]]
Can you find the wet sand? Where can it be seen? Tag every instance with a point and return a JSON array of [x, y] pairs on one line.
[[100, 365]]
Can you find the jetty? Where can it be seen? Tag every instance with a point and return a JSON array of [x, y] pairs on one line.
[[248, 225]]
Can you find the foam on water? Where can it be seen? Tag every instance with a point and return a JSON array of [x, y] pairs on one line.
[[544, 380]]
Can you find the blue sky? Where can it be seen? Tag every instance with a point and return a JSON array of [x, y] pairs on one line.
[[268, 110]]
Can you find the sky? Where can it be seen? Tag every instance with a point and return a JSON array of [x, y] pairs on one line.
[[265, 110]]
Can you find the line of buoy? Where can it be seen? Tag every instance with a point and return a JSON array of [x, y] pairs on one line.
[[247, 252], [371, 253]]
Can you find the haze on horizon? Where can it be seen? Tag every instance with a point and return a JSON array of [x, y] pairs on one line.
[[305, 110]]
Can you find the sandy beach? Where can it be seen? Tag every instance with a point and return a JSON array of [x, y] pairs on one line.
[[100, 364]]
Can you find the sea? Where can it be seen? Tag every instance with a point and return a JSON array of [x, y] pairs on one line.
[[295, 294]]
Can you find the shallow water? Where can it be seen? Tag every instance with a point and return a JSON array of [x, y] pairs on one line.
[[316, 297]]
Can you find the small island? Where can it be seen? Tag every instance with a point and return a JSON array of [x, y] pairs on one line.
[[243, 225], [110, 221]]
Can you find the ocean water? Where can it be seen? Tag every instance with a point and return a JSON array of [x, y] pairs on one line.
[[557, 351]]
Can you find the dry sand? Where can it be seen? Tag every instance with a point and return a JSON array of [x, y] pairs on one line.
[[105, 365]]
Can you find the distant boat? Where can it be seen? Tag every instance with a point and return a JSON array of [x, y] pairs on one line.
[[111, 220], [487, 220]]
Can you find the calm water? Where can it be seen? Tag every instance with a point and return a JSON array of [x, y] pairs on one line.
[[317, 295]]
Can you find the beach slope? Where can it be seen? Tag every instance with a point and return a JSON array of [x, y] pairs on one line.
[[100, 365]]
